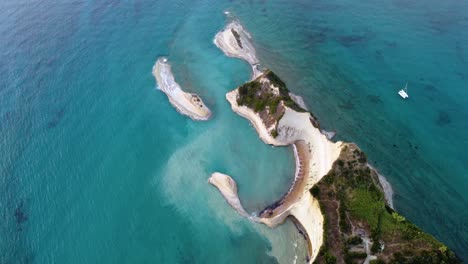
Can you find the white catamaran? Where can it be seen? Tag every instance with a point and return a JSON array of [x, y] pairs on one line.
[[404, 92]]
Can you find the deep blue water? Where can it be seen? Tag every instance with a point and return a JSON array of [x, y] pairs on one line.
[[96, 166]]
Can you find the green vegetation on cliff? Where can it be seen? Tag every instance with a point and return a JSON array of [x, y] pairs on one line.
[[354, 205], [258, 96]]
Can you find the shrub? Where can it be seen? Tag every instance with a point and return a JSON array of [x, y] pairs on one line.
[[328, 179], [399, 218], [329, 258], [354, 240], [273, 104], [356, 255], [243, 90], [259, 106], [375, 247], [315, 191], [274, 133], [275, 80], [344, 225]]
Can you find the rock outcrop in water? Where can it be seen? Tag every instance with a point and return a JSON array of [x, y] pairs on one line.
[[188, 104], [228, 187], [236, 42]]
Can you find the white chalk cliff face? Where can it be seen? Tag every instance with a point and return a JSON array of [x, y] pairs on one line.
[[314, 153], [185, 103]]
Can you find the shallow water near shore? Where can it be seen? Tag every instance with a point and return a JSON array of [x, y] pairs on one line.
[[96, 165]]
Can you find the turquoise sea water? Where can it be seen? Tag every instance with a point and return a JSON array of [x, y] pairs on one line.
[[97, 167]]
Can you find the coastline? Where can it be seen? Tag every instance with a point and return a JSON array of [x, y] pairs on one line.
[[225, 41], [294, 128], [188, 104], [352, 204]]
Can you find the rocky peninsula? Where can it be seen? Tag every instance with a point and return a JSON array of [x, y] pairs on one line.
[[267, 105], [336, 198], [188, 104], [236, 42], [281, 121]]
